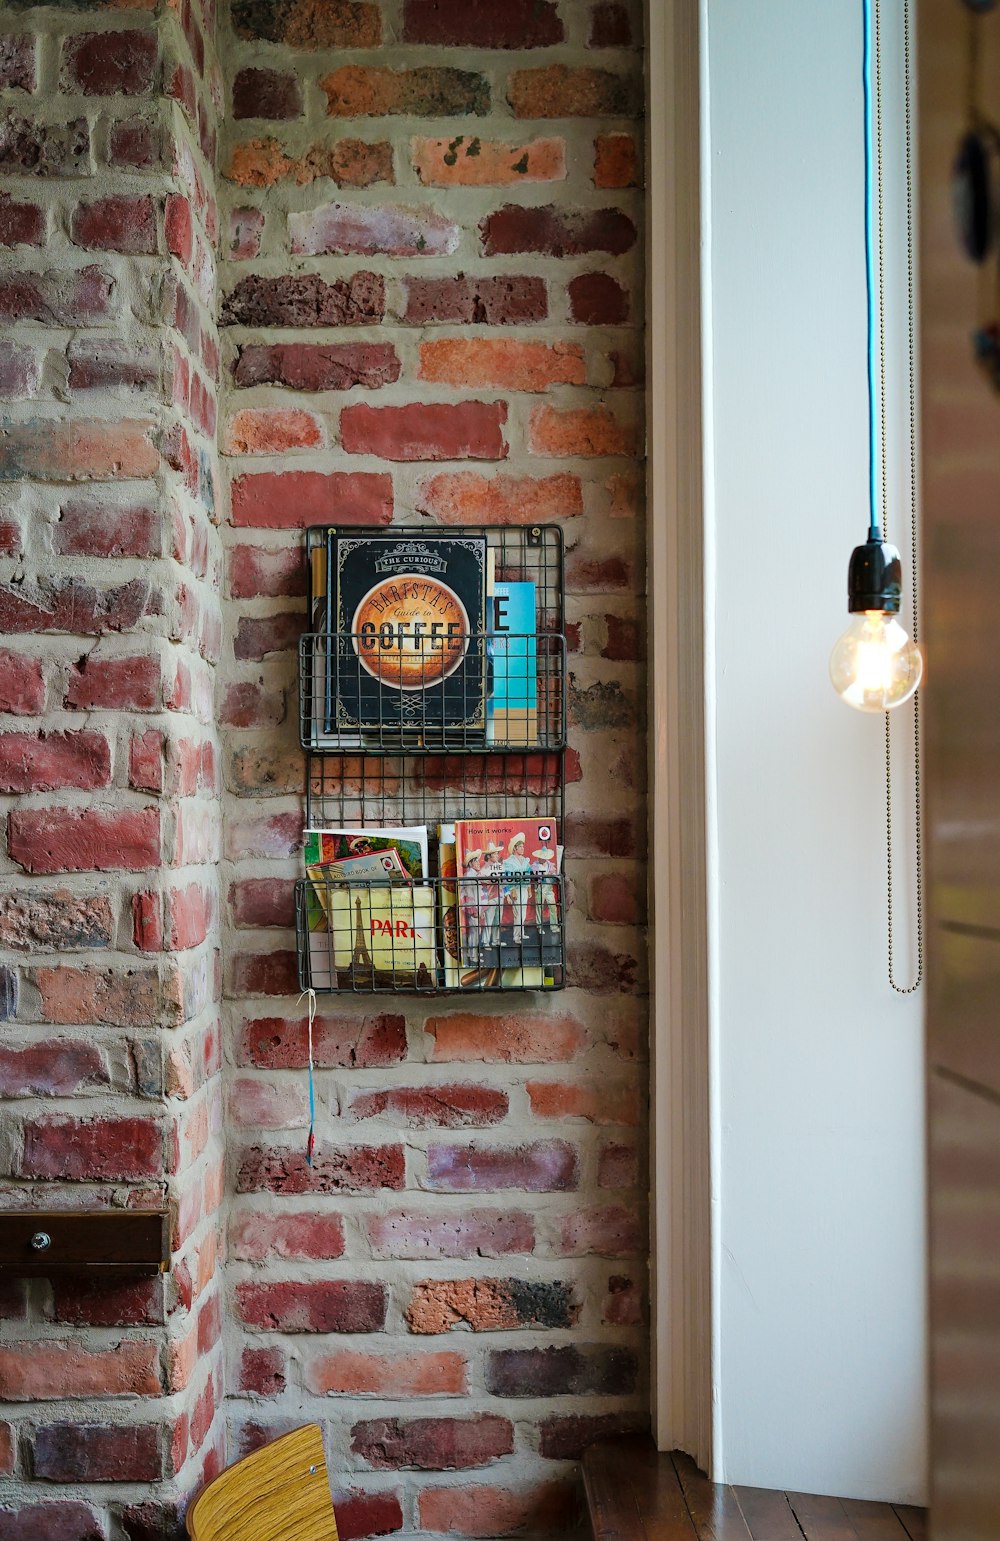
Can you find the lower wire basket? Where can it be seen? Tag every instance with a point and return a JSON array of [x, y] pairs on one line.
[[431, 934]]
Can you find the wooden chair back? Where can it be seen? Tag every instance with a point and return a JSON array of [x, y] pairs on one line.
[[279, 1493]]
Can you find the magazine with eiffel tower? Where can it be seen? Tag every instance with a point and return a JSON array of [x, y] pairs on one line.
[[371, 917]]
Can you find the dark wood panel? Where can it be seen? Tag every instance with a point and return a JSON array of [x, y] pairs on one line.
[[768, 1514], [713, 1507], [873, 1522], [89, 1242]]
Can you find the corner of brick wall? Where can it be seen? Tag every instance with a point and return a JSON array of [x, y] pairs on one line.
[[431, 308]]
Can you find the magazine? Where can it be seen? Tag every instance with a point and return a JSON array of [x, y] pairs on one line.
[[325, 846], [512, 709], [378, 934], [450, 930], [508, 878]]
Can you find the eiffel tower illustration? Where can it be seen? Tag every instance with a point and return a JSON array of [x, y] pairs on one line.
[[362, 967]]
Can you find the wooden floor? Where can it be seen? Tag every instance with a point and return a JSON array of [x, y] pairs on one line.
[[636, 1493]]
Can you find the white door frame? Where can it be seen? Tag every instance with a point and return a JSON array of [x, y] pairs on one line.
[[681, 1200]]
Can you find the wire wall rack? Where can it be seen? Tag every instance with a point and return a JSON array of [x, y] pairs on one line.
[[486, 743]]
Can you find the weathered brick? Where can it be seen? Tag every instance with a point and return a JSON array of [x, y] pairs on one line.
[[543, 1166], [145, 761], [501, 362], [305, 299], [608, 1103], [597, 299], [547, 1508], [76, 451], [491, 1305], [617, 1166], [80, 1150], [49, 1371], [61, 1068], [610, 25], [262, 1372], [292, 499], [81, 1302], [580, 431], [21, 224], [613, 1232], [465, 430], [96, 1452], [106, 529], [7, 1450], [260, 93], [432, 1107], [116, 223], [350, 1372], [300, 24], [616, 161], [480, 24], [53, 921], [556, 232], [248, 704], [257, 636], [496, 299], [44, 149], [120, 684], [22, 684], [366, 1514], [476, 1233], [17, 61], [108, 362], [246, 228], [255, 1235], [623, 1303], [134, 145], [433, 1444], [566, 1437], [110, 63], [75, 298], [44, 762], [351, 229], [329, 1305], [560, 91], [372, 1042], [19, 371], [465, 160], [68, 1521], [258, 572], [511, 1039], [430, 91], [178, 227], [468, 497], [260, 1105], [84, 839], [348, 1169], [574, 1370], [272, 431], [317, 366]]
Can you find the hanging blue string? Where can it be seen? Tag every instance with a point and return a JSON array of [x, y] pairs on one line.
[[874, 532]]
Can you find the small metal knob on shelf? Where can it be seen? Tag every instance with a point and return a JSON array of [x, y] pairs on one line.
[[41, 1241]]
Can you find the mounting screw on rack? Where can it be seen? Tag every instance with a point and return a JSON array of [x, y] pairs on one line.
[[41, 1241]]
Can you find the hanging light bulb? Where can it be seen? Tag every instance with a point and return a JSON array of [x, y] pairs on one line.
[[874, 666]]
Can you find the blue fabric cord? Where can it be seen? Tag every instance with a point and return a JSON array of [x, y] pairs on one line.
[[874, 532]]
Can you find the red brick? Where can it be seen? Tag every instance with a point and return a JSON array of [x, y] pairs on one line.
[[145, 761], [526, 1039], [545, 1509], [257, 572], [613, 899], [178, 228], [468, 497], [372, 1042], [466, 160], [13, 1299], [81, 1302], [92, 1150], [248, 704], [351, 229], [52, 1522], [617, 1166], [84, 840], [348, 24], [433, 1444], [565, 1438], [543, 1166], [597, 299], [255, 1235], [481, 24], [48, 1371], [131, 998], [262, 1372], [318, 366], [432, 1107], [246, 226], [359, 91], [87, 1452], [55, 1069], [608, 1103], [108, 362], [490, 1305], [192, 916], [22, 685], [10, 537], [292, 499], [7, 1450], [259, 93], [351, 1372], [17, 61], [467, 430], [105, 529], [347, 163], [331, 1305], [501, 363], [616, 161], [262, 902], [366, 1514], [477, 1233], [603, 1369], [498, 300], [267, 1104], [30, 147], [19, 373], [580, 431], [616, 1232], [259, 635], [345, 1169], [21, 224], [42, 762], [555, 231], [78, 298], [270, 431], [134, 145], [623, 1303], [110, 63], [304, 300], [116, 224], [119, 684], [610, 25], [76, 451], [559, 91]]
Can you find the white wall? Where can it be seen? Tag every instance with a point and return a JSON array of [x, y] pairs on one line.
[[819, 1153]]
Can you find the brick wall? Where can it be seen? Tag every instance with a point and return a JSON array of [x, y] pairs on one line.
[[429, 307], [110, 975], [432, 308]]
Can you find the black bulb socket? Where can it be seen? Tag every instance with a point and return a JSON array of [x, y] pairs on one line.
[[874, 578]]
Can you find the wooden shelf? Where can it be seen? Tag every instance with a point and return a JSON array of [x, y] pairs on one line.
[[36, 1243]]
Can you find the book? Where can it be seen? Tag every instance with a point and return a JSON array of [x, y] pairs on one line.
[[325, 846], [512, 708], [384, 934], [410, 621], [509, 894], [450, 923]]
